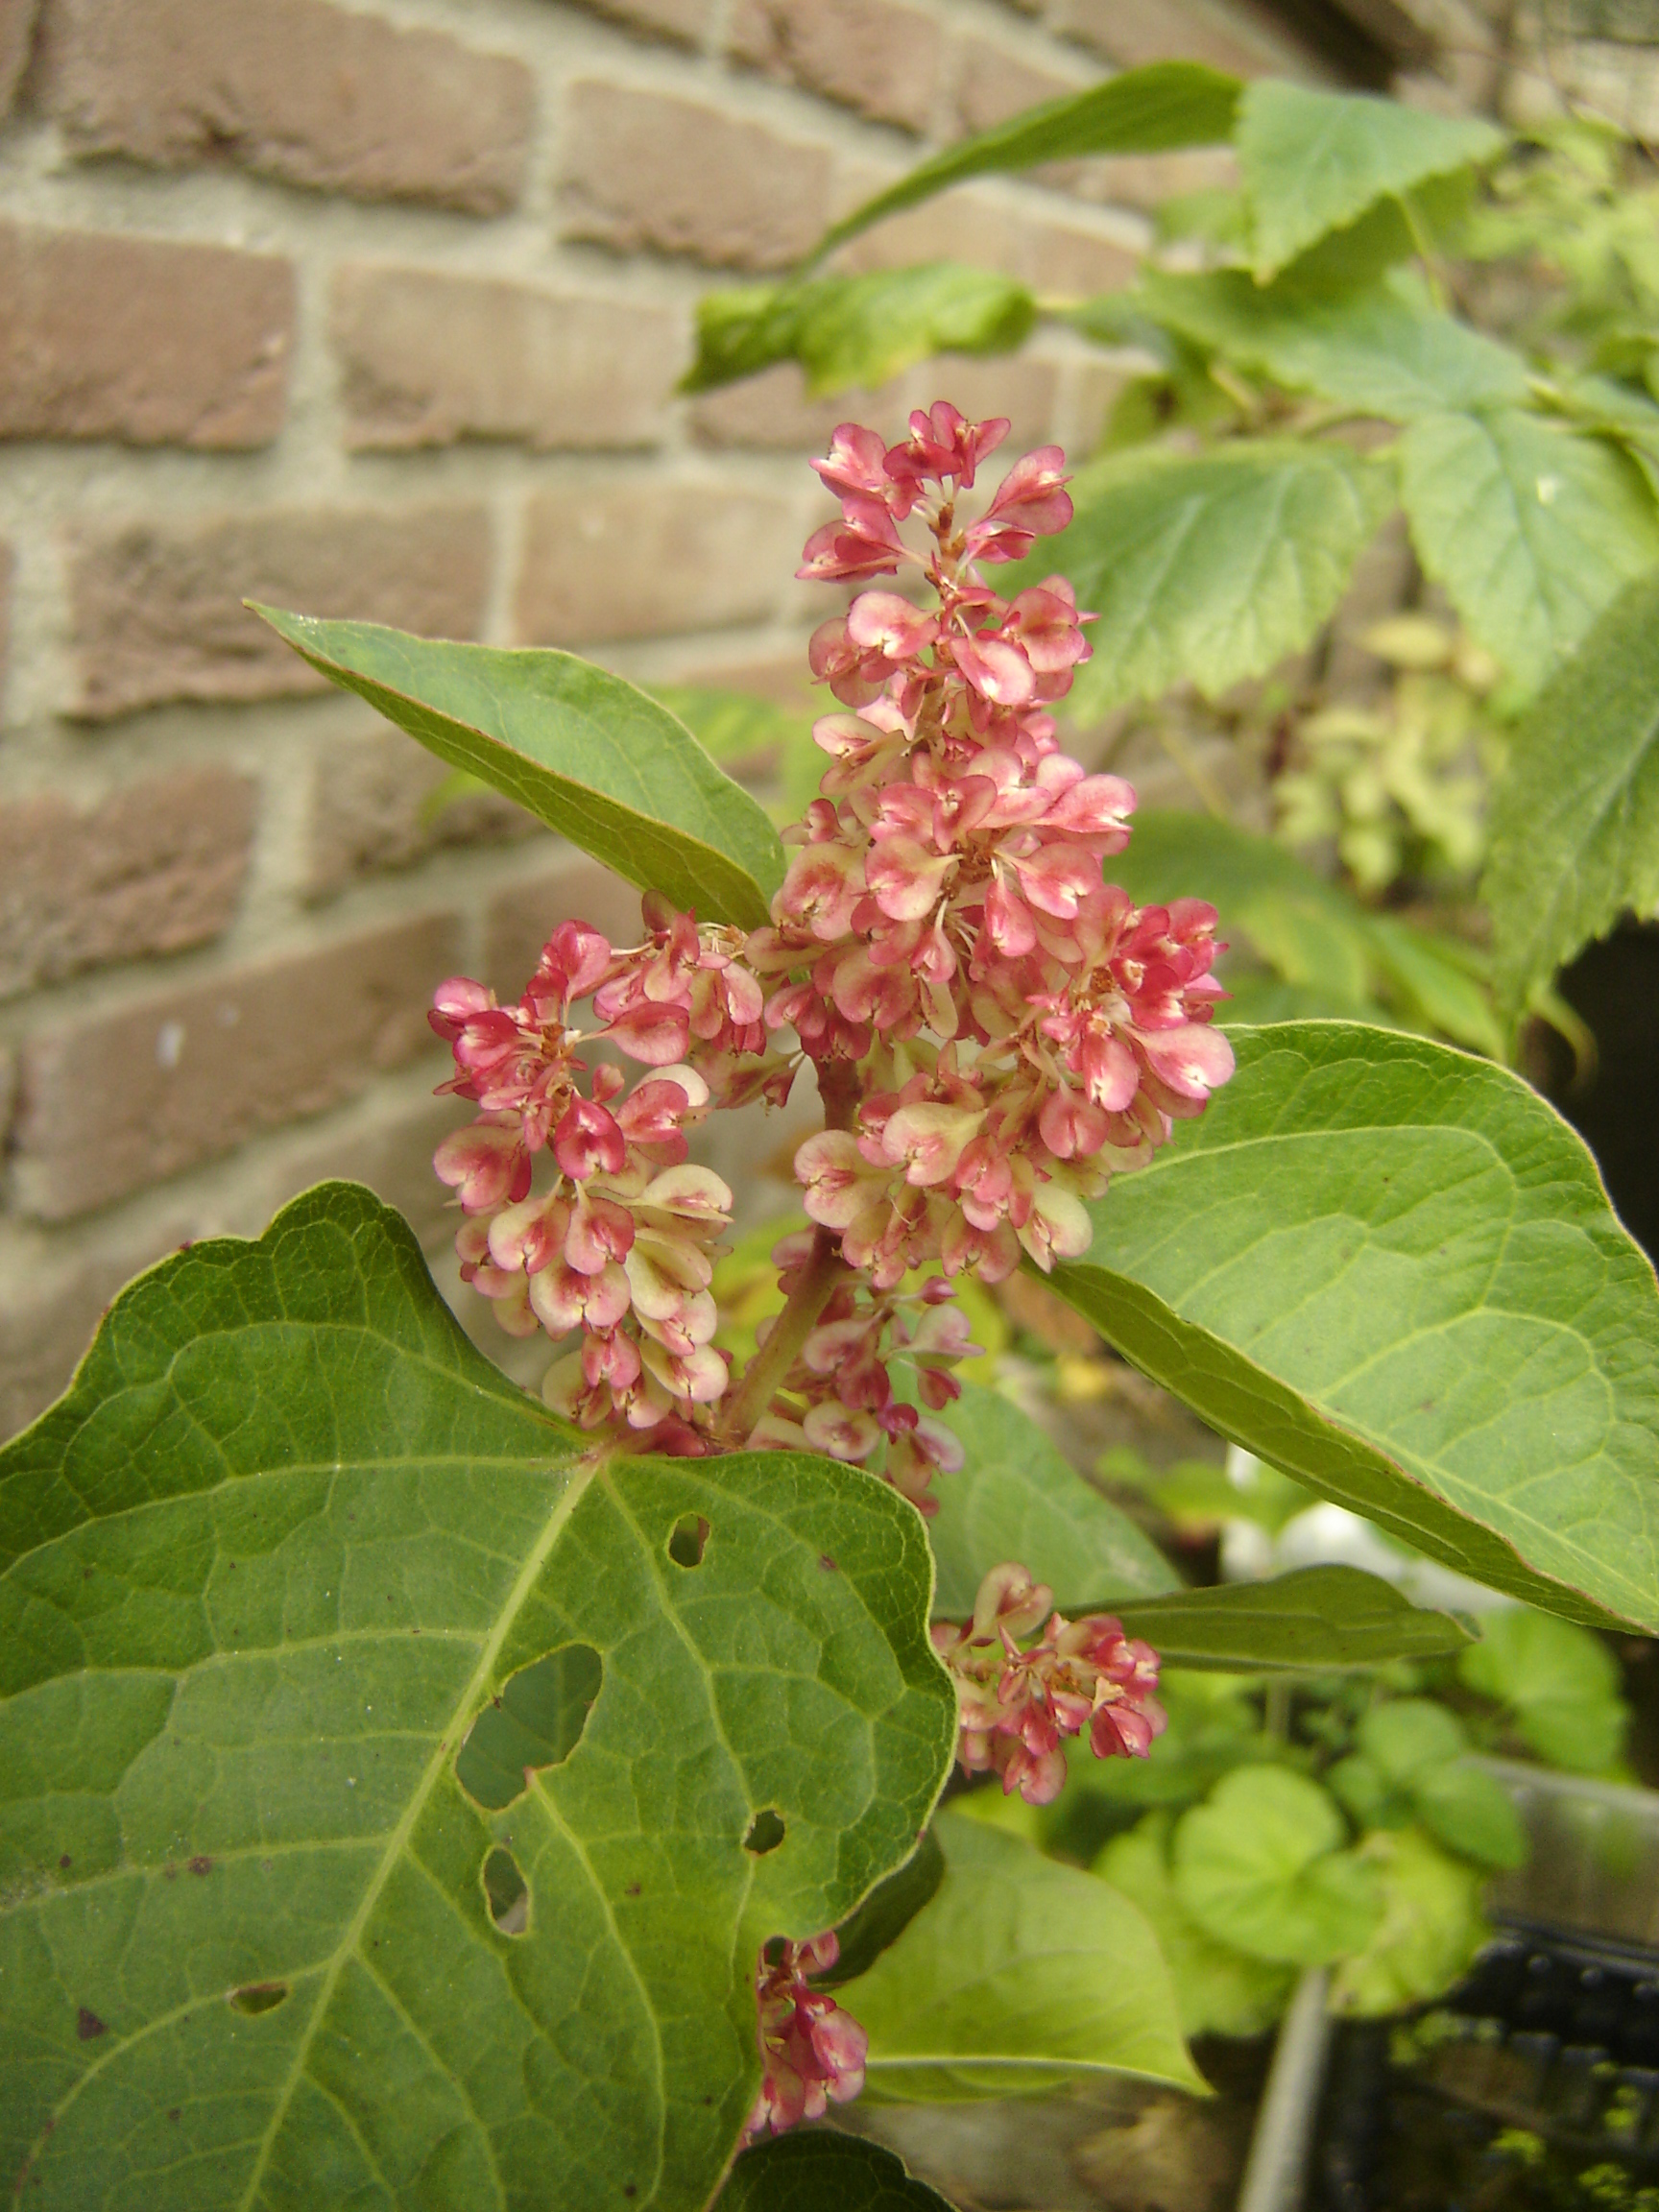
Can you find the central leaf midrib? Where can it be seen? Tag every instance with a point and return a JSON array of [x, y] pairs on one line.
[[582, 1474]]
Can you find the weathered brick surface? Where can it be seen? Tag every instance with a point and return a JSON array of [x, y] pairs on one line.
[[7, 563], [429, 357], [156, 607], [111, 1103], [994, 82], [1146, 181], [1131, 33], [1023, 389], [303, 90], [157, 868], [47, 1316], [106, 335], [964, 225], [685, 20], [523, 917], [880, 56], [393, 1158], [641, 560], [684, 177], [17, 26], [372, 810], [1071, 260], [774, 411]]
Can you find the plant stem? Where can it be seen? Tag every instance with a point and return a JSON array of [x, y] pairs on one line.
[[789, 1331], [838, 1089]]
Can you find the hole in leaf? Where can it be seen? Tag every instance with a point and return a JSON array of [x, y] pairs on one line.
[[686, 1539], [257, 1997], [767, 1830], [537, 1721], [506, 1892]]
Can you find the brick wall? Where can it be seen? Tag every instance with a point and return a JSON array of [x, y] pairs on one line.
[[378, 308]]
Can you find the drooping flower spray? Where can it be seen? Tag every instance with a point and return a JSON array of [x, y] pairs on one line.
[[994, 1030]]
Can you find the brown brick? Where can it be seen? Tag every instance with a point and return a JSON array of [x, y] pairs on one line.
[[648, 559], [156, 868], [106, 335], [47, 1319], [16, 29], [1147, 180], [6, 565], [521, 919], [392, 1156], [959, 226], [681, 177], [772, 411], [302, 90], [1023, 389], [994, 83], [156, 607], [113, 1103], [1073, 261], [1131, 33], [685, 21], [373, 808], [877, 56], [431, 357]]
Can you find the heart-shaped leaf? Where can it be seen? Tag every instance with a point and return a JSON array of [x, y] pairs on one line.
[[267, 1920], [1313, 161], [1392, 1271], [591, 754], [1317, 1616], [1559, 1683], [1576, 821], [1220, 1991], [1021, 1975], [1261, 1868], [1429, 1930], [1018, 1498], [1210, 567]]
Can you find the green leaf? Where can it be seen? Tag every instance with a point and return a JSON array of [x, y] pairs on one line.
[[1022, 1975], [1381, 349], [1018, 1498], [1210, 567], [1259, 1867], [821, 2170], [1409, 1735], [1311, 162], [1315, 1617], [858, 330], [1392, 1271], [267, 1566], [1560, 1683], [1416, 1749], [1430, 1930], [1470, 1813], [1220, 1991], [1151, 110], [1531, 528], [587, 752], [1310, 931], [1576, 821], [886, 1913]]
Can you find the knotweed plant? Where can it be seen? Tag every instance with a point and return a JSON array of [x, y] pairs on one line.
[[994, 1031]]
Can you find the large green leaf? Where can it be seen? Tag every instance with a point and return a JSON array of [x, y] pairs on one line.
[[823, 2172], [1428, 1936], [1261, 1868], [1019, 1498], [1310, 162], [1151, 110], [1323, 1617], [591, 754], [1380, 349], [1309, 930], [1560, 1686], [265, 1566], [1392, 1271], [1220, 1991], [1576, 821], [1021, 1974], [858, 330], [1531, 527], [1210, 567]]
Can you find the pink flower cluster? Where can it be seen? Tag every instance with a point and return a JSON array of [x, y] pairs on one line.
[[620, 1244], [812, 2053], [1017, 1701]]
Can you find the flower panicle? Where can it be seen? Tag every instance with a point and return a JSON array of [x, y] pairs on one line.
[[1027, 1679], [812, 2054]]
